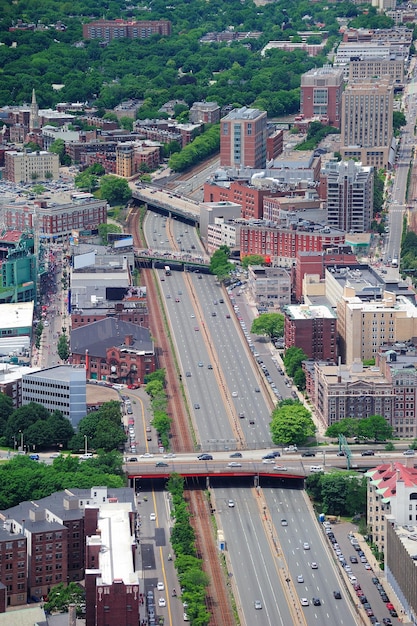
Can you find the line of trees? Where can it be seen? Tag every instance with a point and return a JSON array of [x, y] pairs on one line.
[[372, 428], [155, 388], [192, 578]]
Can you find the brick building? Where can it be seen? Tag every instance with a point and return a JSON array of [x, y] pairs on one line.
[[313, 329], [114, 350], [249, 197], [282, 243], [321, 94], [58, 221], [106, 30], [205, 112], [316, 263], [243, 135]]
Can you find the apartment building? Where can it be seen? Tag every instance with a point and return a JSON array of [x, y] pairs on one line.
[[205, 113], [321, 94], [243, 135], [366, 129], [106, 30], [60, 388], [350, 195], [364, 326], [30, 167], [311, 328]]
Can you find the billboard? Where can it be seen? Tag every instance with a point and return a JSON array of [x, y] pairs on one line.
[[127, 242]]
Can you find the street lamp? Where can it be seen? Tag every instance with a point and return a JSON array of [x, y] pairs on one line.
[[85, 444], [21, 440]]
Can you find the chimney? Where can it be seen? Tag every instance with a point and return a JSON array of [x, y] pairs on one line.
[[129, 340]]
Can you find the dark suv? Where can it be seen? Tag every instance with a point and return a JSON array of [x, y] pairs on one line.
[[205, 457], [368, 453], [308, 453]]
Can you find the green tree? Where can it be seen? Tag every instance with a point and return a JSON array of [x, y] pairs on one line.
[[115, 190], [105, 229], [61, 595], [291, 424], [126, 123], [271, 324], [86, 181], [293, 359], [220, 265], [375, 427], [348, 426], [58, 147], [398, 120], [253, 259], [63, 348]]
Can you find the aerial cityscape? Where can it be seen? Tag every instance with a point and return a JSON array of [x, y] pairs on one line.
[[208, 313]]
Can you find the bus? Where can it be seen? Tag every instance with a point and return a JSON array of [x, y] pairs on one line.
[[167, 270]]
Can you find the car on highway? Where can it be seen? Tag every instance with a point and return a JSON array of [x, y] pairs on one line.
[[231, 503], [291, 449], [236, 455], [300, 578], [205, 457], [257, 604], [368, 453], [160, 586], [409, 452], [234, 464], [234, 394], [280, 468], [337, 595], [133, 459], [314, 565], [152, 517], [284, 522], [266, 461], [308, 453], [316, 601], [147, 455], [162, 602], [161, 464], [200, 364], [304, 602], [306, 545], [196, 405]]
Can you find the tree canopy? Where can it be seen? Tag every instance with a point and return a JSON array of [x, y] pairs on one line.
[[271, 324], [374, 427], [291, 423], [37, 427], [103, 429], [253, 259], [220, 265], [338, 493], [114, 189]]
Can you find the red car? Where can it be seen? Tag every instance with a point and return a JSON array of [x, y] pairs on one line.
[[134, 386], [359, 593], [390, 606]]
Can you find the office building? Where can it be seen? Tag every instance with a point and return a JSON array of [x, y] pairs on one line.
[[269, 287], [311, 328], [106, 30], [377, 67], [60, 388], [350, 195], [30, 167], [366, 129], [321, 94], [243, 135]]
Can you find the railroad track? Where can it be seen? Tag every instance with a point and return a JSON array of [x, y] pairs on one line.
[[217, 597]]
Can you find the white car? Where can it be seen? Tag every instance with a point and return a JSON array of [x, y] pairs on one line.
[[314, 565], [268, 461], [160, 586], [87, 455], [234, 464], [171, 455], [162, 602], [304, 601], [300, 578], [280, 468], [147, 455], [152, 517], [230, 504], [306, 546], [234, 394]]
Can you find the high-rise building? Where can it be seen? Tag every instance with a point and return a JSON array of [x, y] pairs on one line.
[[243, 137], [311, 328], [27, 167], [366, 129], [321, 94], [349, 195]]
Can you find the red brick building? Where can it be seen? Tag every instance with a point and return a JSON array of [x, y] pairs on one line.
[[134, 311], [283, 244], [309, 262], [243, 135], [313, 329], [321, 94], [250, 198], [114, 350], [106, 30], [13, 559]]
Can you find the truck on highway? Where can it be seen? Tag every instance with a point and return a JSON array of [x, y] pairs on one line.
[[167, 270]]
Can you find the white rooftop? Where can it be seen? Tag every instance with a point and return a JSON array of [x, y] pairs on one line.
[[304, 312], [116, 558], [16, 315], [400, 303]]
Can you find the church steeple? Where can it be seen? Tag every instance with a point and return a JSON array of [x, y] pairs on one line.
[[34, 113]]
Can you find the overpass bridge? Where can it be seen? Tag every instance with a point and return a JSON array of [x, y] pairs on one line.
[[169, 203], [177, 261]]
